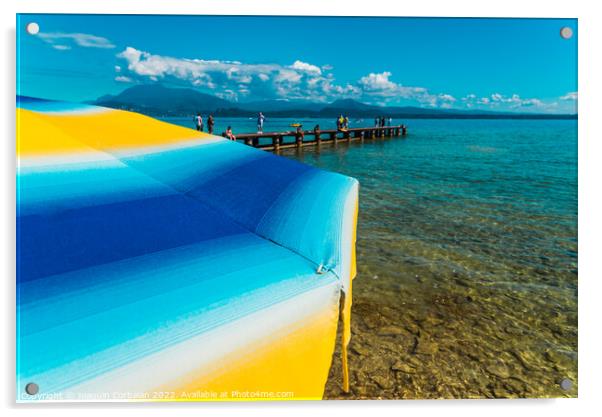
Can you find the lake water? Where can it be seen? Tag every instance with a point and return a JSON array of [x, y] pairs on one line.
[[467, 257], [249, 124]]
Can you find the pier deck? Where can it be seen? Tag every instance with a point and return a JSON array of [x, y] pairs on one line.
[[299, 139]]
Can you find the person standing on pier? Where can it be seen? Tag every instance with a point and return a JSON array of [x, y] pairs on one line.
[[198, 120], [389, 121], [300, 134], [260, 120], [346, 122], [210, 123], [376, 121], [340, 122]]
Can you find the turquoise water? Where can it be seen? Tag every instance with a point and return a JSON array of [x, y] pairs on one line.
[[503, 192], [249, 124], [467, 258]]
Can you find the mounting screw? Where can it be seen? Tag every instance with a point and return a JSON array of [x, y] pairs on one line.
[[32, 388], [566, 32], [566, 384], [32, 28]]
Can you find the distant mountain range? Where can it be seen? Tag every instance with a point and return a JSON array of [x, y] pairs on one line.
[[161, 101]]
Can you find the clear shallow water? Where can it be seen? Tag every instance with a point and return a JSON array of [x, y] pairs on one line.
[[467, 259]]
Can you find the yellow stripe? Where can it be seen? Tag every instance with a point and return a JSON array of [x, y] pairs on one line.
[[40, 133], [295, 361], [347, 301], [353, 269]]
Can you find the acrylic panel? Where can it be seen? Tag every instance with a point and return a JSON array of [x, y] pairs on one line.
[[354, 208]]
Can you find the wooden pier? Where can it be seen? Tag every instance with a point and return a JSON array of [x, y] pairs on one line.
[[301, 138]]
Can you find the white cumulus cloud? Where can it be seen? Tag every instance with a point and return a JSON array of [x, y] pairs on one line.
[[514, 102], [570, 96], [123, 79], [379, 85], [304, 66], [236, 80]]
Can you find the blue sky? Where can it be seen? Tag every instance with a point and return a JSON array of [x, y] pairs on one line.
[[494, 64]]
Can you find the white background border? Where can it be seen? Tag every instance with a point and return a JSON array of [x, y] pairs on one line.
[[590, 207]]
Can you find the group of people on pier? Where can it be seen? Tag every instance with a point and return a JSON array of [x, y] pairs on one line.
[[198, 122], [342, 122], [382, 121]]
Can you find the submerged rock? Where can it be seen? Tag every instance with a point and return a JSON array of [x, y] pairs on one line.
[[390, 331], [360, 350], [524, 358], [413, 328], [515, 385], [498, 369], [463, 299], [403, 367], [425, 347], [558, 359], [512, 330], [500, 393], [383, 382]]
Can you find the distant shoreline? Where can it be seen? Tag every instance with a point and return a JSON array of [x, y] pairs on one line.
[[425, 117], [161, 101], [287, 115]]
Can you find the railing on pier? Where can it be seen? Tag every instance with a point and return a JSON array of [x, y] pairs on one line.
[[298, 139]]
